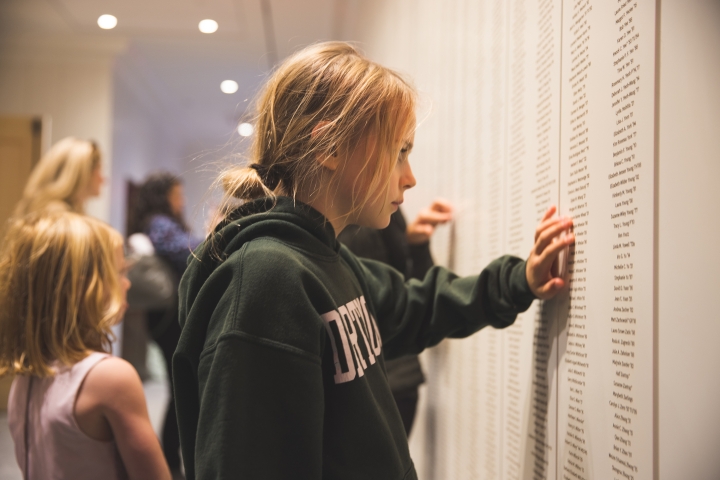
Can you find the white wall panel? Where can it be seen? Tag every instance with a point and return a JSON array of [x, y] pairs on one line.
[[608, 110]]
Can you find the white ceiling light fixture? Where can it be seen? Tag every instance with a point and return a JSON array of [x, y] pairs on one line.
[[245, 129], [107, 22], [229, 86], [208, 26]]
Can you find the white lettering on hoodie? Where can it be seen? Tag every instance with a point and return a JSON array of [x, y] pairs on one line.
[[354, 337]]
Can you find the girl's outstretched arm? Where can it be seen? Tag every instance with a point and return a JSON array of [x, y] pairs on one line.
[[414, 315], [115, 388]]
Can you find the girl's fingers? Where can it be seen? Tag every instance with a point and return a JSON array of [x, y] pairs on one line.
[[550, 288], [545, 220], [433, 217], [441, 205], [426, 230], [545, 224], [549, 255], [548, 234], [549, 213]]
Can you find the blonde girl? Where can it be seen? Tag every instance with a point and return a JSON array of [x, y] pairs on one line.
[[74, 411], [65, 178], [280, 369]]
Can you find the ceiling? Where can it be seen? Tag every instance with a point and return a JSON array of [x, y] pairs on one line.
[[178, 67]]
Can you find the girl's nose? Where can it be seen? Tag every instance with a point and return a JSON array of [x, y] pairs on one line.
[[408, 179]]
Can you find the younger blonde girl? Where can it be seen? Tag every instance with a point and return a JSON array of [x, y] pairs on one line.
[[280, 369], [74, 411]]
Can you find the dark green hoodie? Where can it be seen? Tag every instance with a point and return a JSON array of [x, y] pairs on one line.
[[279, 373]]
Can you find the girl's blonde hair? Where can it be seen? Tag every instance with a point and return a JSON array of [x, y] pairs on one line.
[[59, 291], [60, 178], [323, 98]]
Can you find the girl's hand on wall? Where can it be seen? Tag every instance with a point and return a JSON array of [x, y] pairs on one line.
[[422, 228], [549, 242]]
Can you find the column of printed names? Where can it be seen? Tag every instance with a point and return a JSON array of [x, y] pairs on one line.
[[530, 356], [606, 345]]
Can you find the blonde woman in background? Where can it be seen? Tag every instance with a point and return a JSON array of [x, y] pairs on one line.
[[66, 177]]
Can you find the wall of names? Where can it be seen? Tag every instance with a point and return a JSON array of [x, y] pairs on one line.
[[525, 104]]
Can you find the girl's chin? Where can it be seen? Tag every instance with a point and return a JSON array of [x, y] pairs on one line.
[[377, 223], [382, 223]]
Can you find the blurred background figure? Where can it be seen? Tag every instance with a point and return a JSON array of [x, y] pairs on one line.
[[407, 249], [66, 177], [157, 227], [159, 213]]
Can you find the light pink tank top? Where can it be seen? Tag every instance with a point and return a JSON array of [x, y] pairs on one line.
[[57, 448]]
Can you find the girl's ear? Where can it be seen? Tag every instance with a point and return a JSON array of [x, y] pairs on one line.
[[327, 159]]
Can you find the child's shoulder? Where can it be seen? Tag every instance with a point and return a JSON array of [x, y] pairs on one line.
[[113, 381], [114, 369]]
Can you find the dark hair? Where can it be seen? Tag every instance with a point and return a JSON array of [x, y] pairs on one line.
[[152, 199]]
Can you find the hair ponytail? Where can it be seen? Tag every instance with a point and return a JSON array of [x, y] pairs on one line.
[[244, 183]]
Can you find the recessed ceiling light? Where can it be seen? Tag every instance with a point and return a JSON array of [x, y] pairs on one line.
[[107, 22], [229, 86], [245, 129], [208, 26]]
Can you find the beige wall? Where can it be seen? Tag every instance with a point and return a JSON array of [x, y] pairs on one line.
[[689, 228]]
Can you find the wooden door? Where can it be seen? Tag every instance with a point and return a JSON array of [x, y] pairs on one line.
[[20, 150]]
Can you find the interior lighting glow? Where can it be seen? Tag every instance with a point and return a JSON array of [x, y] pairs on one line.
[[245, 129], [107, 22], [208, 26], [229, 86]]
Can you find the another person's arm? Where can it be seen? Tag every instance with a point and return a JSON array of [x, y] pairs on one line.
[[171, 241], [421, 230]]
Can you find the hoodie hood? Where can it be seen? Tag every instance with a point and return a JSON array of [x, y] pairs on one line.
[[284, 218]]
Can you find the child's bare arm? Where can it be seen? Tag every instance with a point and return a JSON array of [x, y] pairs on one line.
[[548, 245], [116, 386]]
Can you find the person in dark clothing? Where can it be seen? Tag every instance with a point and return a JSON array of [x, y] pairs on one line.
[[159, 215], [280, 369], [407, 249]]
